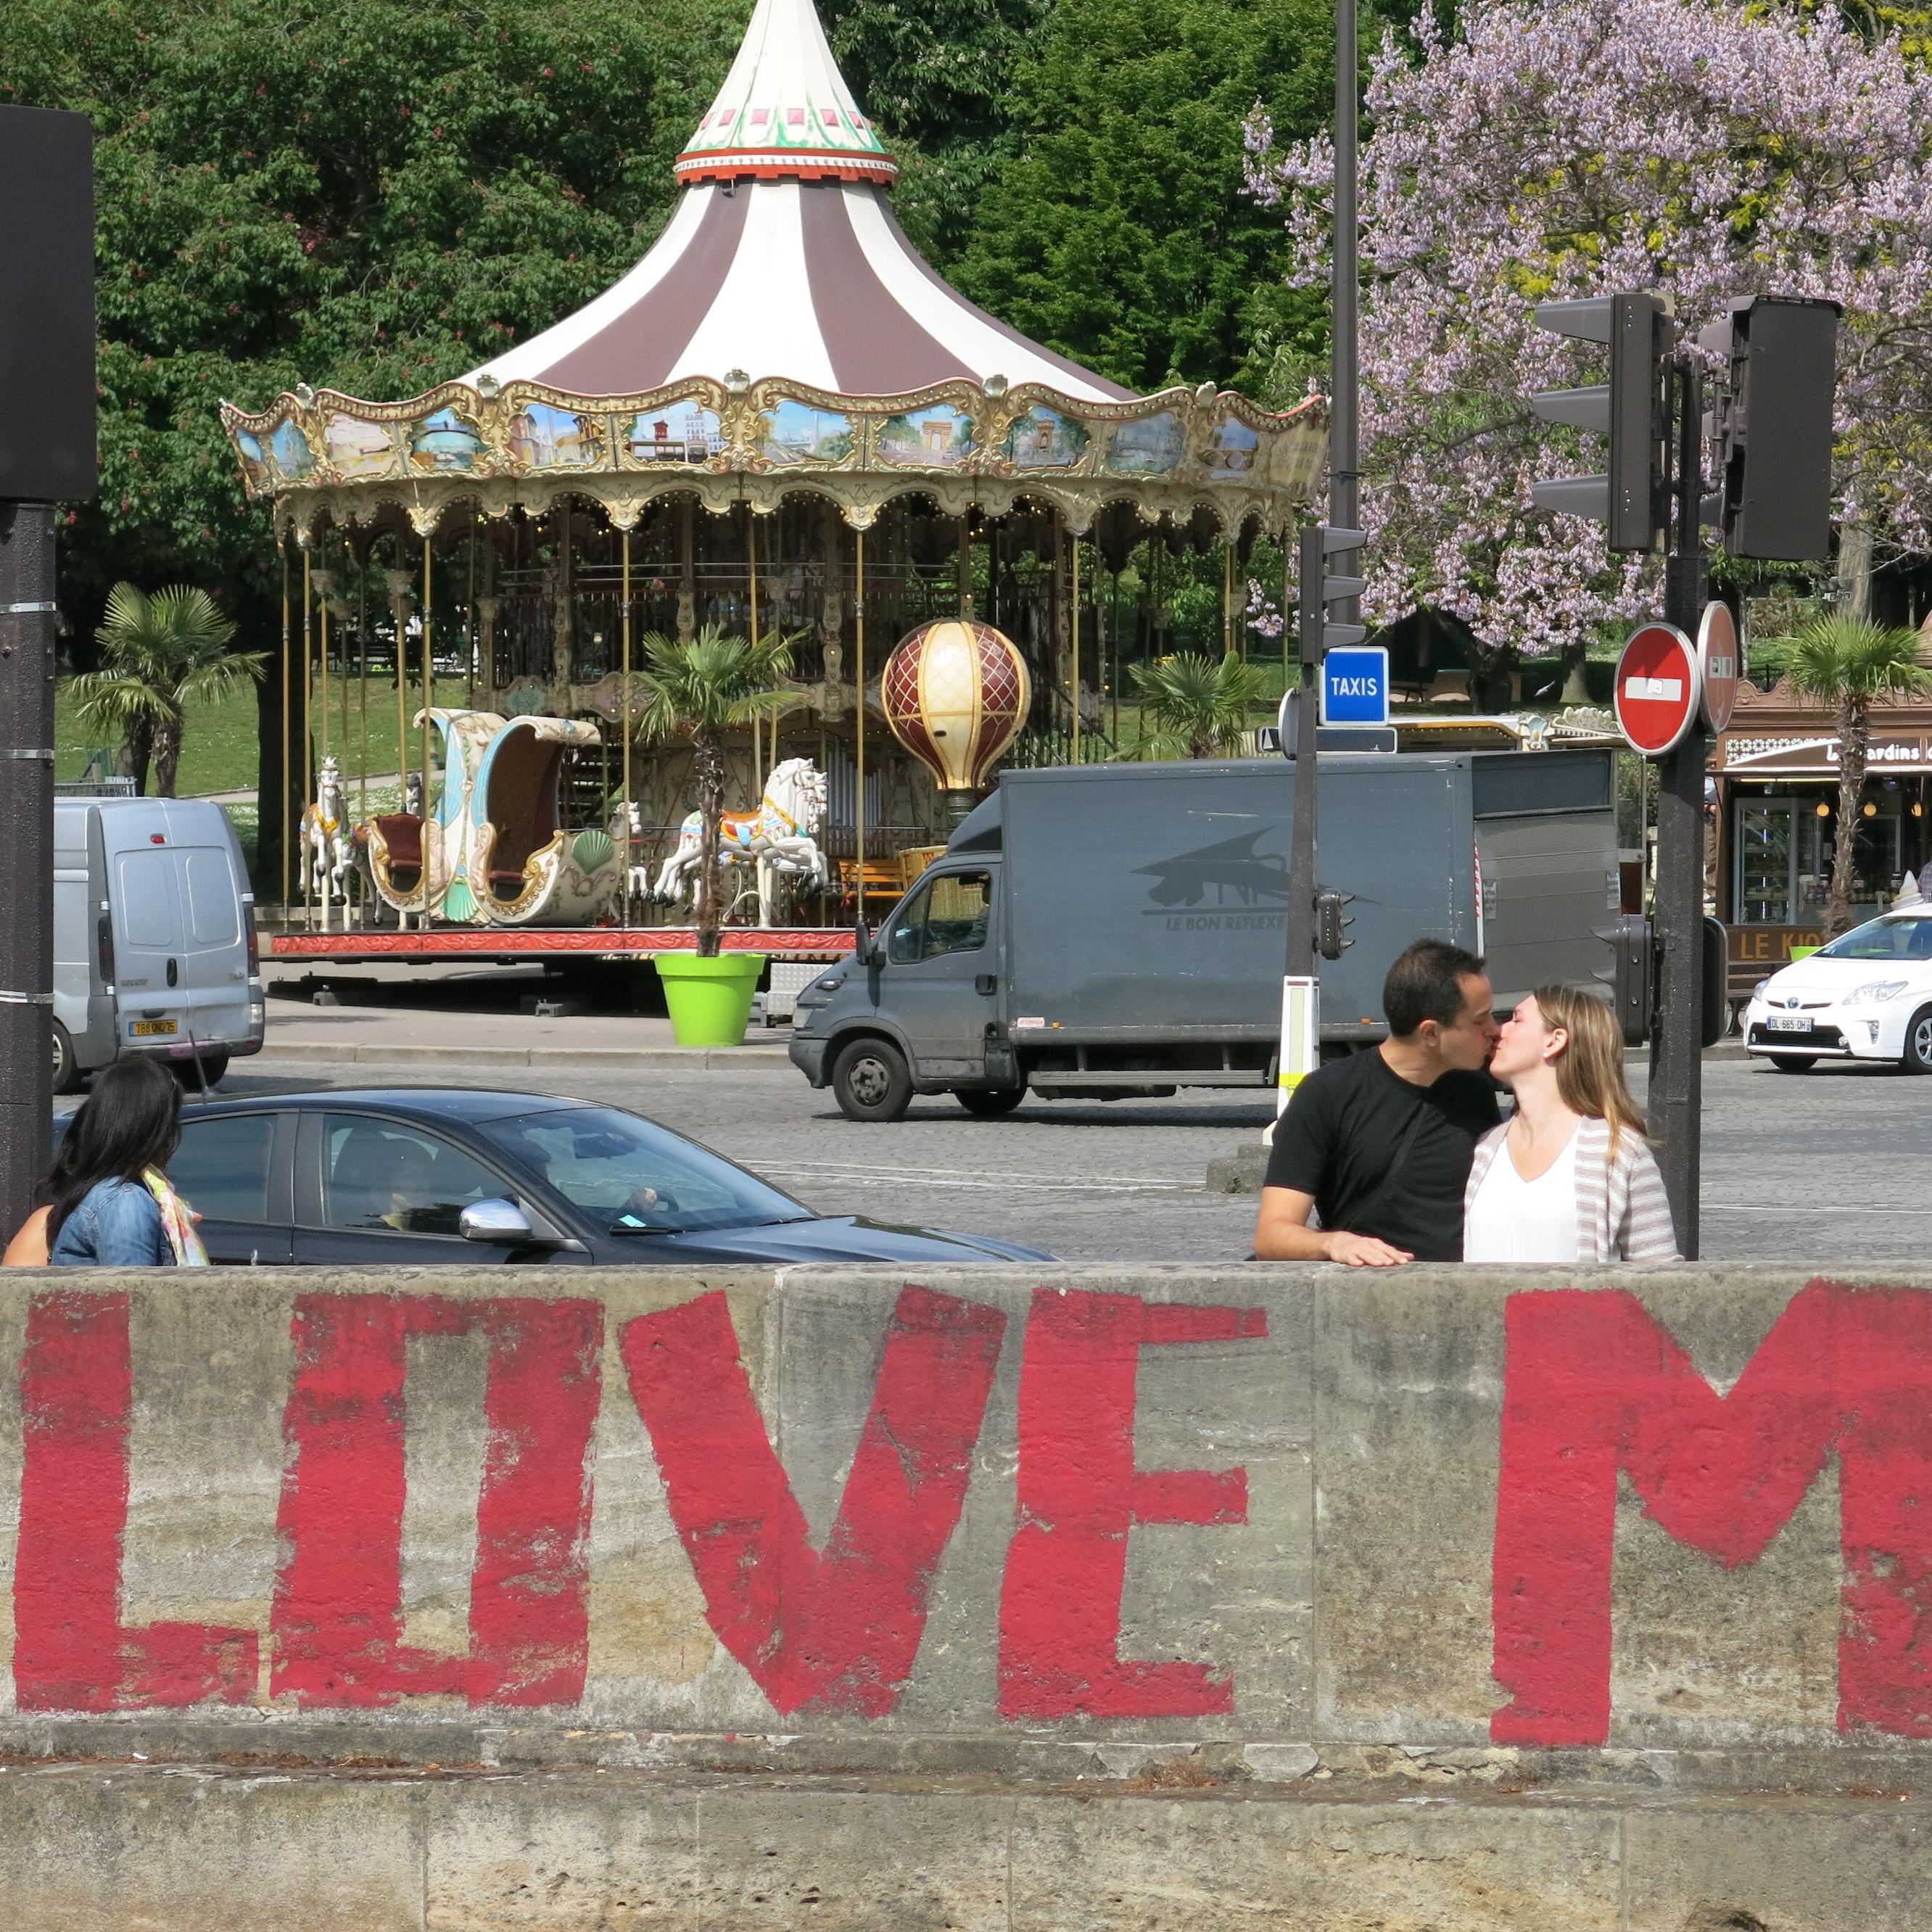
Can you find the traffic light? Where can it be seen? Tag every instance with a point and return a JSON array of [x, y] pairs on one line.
[[1716, 1006], [1631, 975], [1632, 409], [1774, 425], [1329, 921], [1318, 590]]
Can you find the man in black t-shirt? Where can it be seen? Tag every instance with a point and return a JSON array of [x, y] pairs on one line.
[[1378, 1146]]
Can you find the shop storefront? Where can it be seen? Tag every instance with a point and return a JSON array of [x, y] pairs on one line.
[[1778, 830]]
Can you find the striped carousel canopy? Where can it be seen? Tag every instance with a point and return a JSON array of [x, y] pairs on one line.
[[783, 259]]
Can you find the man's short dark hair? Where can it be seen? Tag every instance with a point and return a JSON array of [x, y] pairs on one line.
[[1426, 983]]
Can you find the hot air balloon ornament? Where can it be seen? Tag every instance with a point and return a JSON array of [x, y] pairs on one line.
[[955, 693]]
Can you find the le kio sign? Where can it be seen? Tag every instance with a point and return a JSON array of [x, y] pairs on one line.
[[1718, 659], [1659, 684]]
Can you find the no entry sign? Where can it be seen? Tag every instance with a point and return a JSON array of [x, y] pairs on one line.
[[1717, 659], [1658, 688]]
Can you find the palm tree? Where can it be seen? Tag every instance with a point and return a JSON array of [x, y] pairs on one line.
[[1193, 707], [1850, 663], [160, 655], [697, 688]]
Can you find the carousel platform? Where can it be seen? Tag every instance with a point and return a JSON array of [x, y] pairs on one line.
[[512, 945]]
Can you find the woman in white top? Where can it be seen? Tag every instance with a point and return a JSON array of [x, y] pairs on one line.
[[1569, 1176]]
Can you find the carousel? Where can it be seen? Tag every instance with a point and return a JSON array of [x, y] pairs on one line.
[[781, 419]]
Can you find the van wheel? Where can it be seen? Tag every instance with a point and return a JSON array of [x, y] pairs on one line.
[[1917, 1058], [1794, 1063], [871, 1082], [989, 1103], [200, 1079], [67, 1068]]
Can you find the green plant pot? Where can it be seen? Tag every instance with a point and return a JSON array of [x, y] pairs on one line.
[[1798, 952], [709, 1000]]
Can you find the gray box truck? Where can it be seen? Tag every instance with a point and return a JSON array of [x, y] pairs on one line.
[[1110, 930]]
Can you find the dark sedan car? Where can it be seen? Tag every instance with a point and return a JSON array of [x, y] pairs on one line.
[[415, 1177]]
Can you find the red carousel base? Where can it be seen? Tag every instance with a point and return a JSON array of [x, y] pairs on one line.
[[511, 945]]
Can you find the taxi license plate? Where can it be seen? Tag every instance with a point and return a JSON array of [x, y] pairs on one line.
[[152, 1029], [1789, 1023]]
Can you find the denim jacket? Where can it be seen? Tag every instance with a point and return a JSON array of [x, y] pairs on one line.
[[117, 1225]]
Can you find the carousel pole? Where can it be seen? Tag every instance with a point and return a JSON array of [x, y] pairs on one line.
[[1228, 599], [288, 684], [624, 713], [308, 736], [469, 621], [858, 691], [1074, 682], [751, 578], [362, 682], [322, 581], [429, 698]]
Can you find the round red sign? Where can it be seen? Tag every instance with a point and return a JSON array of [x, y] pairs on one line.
[[1658, 689], [1717, 658]]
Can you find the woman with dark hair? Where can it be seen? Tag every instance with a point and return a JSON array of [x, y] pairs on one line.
[[112, 1205]]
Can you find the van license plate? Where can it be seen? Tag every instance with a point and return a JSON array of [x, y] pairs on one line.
[[1788, 1023], [153, 1029]]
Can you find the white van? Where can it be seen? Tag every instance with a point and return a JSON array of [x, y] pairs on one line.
[[154, 944]]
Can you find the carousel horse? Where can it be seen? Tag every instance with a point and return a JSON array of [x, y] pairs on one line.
[[780, 838], [328, 853]]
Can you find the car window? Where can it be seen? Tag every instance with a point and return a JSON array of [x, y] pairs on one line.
[[1908, 939], [378, 1174], [947, 915], [633, 1177], [213, 905], [221, 1167]]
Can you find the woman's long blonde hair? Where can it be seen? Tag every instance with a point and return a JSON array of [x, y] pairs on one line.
[[1590, 1069]]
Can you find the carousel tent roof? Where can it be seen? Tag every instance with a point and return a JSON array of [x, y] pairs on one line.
[[783, 258]]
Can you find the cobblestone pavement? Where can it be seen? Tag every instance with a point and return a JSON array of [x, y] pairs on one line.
[[1830, 1164]]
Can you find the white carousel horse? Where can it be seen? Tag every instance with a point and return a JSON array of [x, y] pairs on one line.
[[780, 838], [327, 853]]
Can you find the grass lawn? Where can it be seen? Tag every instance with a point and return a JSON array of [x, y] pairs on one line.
[[220, 751]]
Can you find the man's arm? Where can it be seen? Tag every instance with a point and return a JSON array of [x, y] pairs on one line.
[[1282, 1234]]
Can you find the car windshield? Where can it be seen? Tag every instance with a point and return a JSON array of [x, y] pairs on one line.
[[1888, 938], [634, 1177]]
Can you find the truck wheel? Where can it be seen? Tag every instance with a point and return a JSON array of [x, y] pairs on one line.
[[1918, 1056], [989, 1103], [67, 1068], [871, 1082], [1794, 1063], [212, 1067]]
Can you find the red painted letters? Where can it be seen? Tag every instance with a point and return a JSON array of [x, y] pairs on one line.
[[71, 1651], [1079, 1494], [1594, 1385], [337, 1608], [840, 1629]]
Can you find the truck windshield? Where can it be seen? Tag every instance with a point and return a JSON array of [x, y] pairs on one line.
[[1888, 938], [947, 915], [635, 1177]]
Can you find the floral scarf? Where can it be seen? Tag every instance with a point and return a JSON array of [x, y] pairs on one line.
[[178, 1220]]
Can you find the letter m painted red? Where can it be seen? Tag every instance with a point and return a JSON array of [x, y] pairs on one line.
[[1593, 1384]]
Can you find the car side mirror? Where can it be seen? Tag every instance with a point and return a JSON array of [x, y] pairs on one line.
[[502, 1223], [869, 946]]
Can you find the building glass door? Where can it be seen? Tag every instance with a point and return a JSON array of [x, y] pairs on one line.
[[1767, 862]]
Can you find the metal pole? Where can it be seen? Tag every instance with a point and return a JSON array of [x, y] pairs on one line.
[[308, 735], [1677, 1071], [1344, 435], [858, 687], [752, 573], [288, 687], [27, 628], [362, 679], [1300, 962], [429, 698], [624, 714], [1074, 681]]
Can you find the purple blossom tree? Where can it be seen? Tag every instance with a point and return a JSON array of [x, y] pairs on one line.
[[1573, 148]]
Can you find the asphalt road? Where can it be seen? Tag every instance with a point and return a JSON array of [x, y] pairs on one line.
[[1820, 1166]]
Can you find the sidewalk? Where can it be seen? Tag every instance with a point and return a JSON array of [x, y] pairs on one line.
[[355, 1033]]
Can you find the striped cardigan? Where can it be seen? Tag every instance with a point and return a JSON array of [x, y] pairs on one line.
[[1622, 1212]]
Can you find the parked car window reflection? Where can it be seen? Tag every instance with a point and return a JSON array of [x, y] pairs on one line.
[[632, 1177], [221, 1167], [379, 1175], [1883, 939], [948, 915]]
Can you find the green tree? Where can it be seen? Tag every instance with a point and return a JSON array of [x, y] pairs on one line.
[[160, 655], [1851, 664], [1118, 232], [697, 689], [1193, 706]]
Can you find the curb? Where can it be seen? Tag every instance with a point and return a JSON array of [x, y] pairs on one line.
[[708, 1057]]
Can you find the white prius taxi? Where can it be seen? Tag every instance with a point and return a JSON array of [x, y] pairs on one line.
[[1866, 996]]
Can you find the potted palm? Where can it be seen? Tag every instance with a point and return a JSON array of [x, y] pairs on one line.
[[697, 688], [1850, 663], [1193, 706]]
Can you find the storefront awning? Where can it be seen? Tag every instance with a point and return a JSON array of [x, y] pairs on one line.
[[1777, 755]]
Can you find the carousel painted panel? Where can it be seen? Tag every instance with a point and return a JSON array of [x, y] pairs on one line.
[[289, 453], [1148, 446], [794, 432], [447, 441], [1233, 450], [1042, 438], [543, 437], [937, 437], [685, 431], [359, 451]]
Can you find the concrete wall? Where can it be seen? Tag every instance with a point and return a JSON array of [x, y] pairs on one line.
[[1248, 1596]]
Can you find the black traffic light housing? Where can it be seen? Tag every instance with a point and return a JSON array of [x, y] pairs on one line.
[[1773, 419], [1632, 409], [1319, 633], [1631, 977], [1329, 921]]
